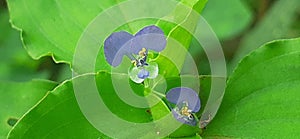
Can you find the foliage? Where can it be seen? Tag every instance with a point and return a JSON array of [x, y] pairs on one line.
[[65, 85]]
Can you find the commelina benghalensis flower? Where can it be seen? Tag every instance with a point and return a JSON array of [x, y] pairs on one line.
[[136, 48], [187, 103]]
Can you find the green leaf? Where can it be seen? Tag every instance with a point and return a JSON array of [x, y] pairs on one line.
[[262, 95], [227, 18], [58, 114], [56, 30], [18, 98]]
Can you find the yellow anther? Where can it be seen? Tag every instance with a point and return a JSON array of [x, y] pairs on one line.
[[185, 111], [143, 52], [133, 62]]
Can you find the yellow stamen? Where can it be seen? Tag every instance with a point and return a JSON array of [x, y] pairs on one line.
[[133, 62], [142, 52], [185, 111]]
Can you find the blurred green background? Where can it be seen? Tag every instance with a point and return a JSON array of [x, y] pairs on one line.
[[16, 64], [241, 26]]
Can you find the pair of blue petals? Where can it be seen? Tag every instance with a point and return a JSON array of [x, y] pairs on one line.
[[123, 43], [178, 96]]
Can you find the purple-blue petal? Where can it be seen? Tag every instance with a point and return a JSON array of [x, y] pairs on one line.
[[179, 94], [116, 46], [143, 74], [183, 119], [150, 37]]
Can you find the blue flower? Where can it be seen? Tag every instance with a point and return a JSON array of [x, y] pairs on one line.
[[136, 47], [187, 103]]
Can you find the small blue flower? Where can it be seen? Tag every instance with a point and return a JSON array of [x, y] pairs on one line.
[[187, 103], [135, 47]]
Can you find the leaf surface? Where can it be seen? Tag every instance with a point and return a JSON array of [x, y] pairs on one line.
[[262, 95], [17, 99]]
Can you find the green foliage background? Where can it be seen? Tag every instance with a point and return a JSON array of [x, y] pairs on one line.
[[261, 98]]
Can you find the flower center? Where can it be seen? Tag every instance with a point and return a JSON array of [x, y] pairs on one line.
[[185, 112], [141, 69], [141, 59]]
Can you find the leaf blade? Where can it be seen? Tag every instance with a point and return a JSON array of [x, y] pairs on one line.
[[260, 93], [18, 98]]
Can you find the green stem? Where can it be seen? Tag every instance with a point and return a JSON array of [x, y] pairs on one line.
[[146, 83], [158, 93]]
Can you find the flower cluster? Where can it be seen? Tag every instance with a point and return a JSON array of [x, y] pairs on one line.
[[136, 48]]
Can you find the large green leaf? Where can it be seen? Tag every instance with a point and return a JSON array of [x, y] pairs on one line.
[[58, 114], [56, 30], [262, 95], [18, 98]]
